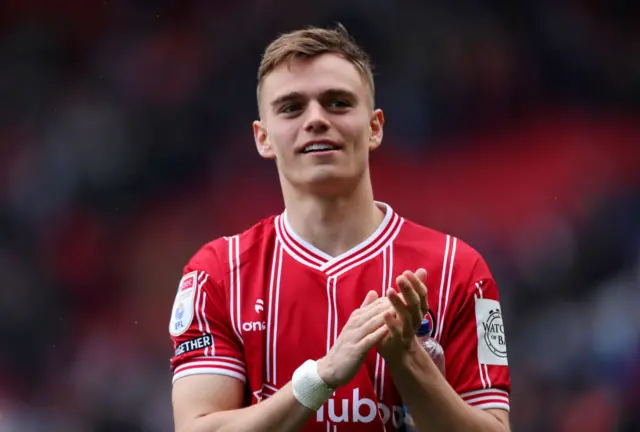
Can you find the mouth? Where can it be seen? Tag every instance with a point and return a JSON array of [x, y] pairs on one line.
[[320, 147]]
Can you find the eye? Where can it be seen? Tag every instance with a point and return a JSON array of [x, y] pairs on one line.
[[340, 104], [290, 108]]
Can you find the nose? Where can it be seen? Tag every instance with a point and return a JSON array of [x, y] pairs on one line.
[[316, 121]]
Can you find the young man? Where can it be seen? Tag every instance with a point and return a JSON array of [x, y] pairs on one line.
[[307, 320]]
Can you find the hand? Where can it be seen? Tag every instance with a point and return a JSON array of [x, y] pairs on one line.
[[410, 307], [364, 329]]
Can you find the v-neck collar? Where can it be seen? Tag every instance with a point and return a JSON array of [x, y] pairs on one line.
[[309, 255]]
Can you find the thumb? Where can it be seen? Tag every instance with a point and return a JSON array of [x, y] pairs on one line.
[[369, 298]]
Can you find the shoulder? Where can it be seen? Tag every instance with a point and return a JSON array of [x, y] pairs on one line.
[[445, 248], [218, 256]]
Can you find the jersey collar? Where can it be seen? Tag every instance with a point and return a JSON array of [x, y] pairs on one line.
[[309, 255]]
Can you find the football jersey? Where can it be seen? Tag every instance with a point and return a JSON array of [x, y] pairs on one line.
[[255, 306]]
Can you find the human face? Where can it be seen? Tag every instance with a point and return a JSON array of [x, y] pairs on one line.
[[322, 100]]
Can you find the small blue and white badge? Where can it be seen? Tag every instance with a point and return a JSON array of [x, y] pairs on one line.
[[183, 307]]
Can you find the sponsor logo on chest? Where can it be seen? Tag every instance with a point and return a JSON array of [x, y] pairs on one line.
[[358, 409]]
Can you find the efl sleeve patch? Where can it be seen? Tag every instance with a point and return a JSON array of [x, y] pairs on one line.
[[492, 346], [182, 312]]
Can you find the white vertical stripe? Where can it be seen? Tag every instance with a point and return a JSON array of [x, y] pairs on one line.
[[232, 280], [484, 383], [382, 291], [390, 270], [375, 376], [389, 283], [444, 273], [270, 308], [238, 296], [275, 324], [198, 289], [335, 311], [206, 323], [329, 311], [446, 297], [202, 292], [384, 271], [486, 374], [231, 287], [479, 289]]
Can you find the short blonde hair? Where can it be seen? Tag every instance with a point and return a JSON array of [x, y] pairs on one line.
[[311, 42]]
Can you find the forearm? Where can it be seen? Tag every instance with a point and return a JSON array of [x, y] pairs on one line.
[[433, 404], [280, 412]]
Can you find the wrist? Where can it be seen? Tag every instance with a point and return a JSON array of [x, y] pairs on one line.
[[402, 358], [327, 373], [308, 387]]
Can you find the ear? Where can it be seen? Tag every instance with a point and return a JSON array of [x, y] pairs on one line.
[[376, 124], [263, 144]]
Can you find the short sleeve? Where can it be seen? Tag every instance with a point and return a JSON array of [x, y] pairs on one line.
[[475, 346], [200, 328]]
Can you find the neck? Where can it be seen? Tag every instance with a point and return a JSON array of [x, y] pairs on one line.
[[334, 224]]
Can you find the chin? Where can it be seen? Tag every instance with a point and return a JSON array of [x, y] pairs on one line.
[[328, 182], [325, 174]]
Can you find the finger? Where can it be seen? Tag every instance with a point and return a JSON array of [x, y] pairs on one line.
[[404, 286], [408, 285], [366, 312], [396, 301], [369, 298], [422, 275], [372, 308], [406, 316], [372, 324], [400, 281], [411, 297], [372, 339], [393, 324], [421, 289]]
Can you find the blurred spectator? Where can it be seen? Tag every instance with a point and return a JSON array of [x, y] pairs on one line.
[[125, 144]]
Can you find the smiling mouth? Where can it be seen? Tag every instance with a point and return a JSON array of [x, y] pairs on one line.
[[319, 148]]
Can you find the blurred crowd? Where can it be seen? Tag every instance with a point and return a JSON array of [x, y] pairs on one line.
[[125, 144]]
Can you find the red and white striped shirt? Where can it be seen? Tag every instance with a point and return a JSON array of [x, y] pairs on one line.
[[255, 306]]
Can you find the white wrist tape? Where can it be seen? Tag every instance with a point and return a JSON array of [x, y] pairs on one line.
[[308, 387]]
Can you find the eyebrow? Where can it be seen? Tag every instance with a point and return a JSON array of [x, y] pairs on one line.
[[286, 98], [326, 93]]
